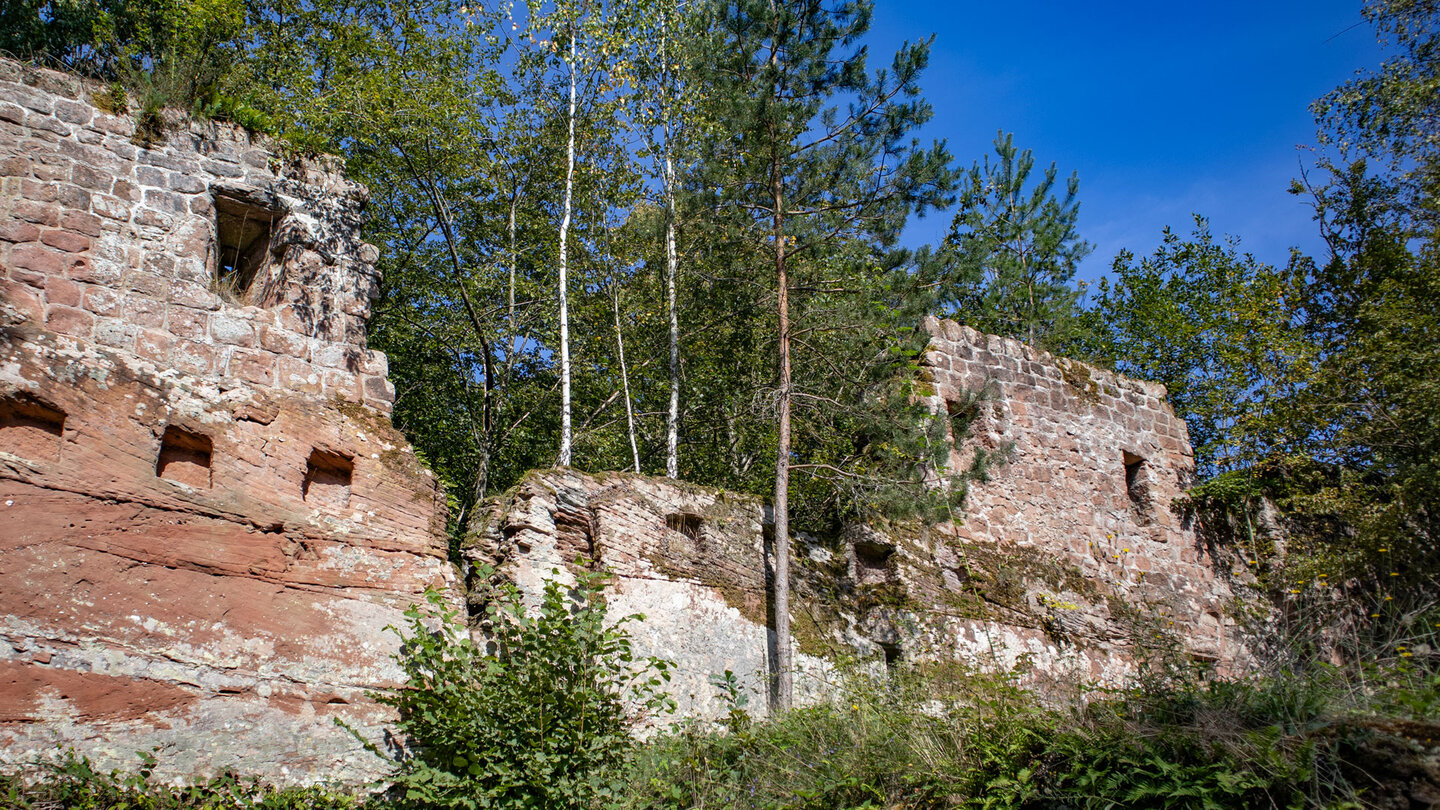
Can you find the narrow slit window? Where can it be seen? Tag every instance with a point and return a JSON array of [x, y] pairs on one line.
[[30, 429], [185, 458], [1134, 478], [328, 477], [243, 225], [893, 654]]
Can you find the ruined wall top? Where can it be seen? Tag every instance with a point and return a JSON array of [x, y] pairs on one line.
[[206, 251]]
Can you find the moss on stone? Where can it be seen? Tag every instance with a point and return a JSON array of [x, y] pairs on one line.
[[1081, 379]]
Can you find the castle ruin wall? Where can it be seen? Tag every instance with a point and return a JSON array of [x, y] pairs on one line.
[[207, 520]]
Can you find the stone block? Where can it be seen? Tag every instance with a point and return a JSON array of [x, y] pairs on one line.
[[185, 322], [39, 191], [115, 332], [379, 389], [232, 331], [337, 356], [252, 366], [103, 301], [298, 375], [284, 342], [72, 112], [69, 321], [144, 311], [39, 213], [29, 98], [81, 222], [165, 201], [126, 190], [341, 384], [93, 271], [25, 301], [14, 230], [91, 178], [193, 357], [67, 241], [153, 345], [74, 197], [110, 207], [195, 295], [152, 218], [40, 259], [64, 292], [152, 285]]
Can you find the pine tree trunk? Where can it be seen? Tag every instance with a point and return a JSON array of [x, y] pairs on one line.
[[565, 431], [784, 687]]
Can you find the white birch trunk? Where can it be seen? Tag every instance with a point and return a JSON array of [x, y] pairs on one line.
[[625, 379], [565, 430], [672, 267]]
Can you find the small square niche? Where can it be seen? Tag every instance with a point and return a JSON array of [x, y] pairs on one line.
[[185, 458], [327, 479], [244, 222], [872, 563], [30, 429]]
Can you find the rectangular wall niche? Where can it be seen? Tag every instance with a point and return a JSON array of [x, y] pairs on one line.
[[872, 563], [685, 523], [30, 428], [185, 458], [327, 479], [1134, 478], [243, 222]]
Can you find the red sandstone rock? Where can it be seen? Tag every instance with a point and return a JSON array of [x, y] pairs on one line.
[[179, 572]]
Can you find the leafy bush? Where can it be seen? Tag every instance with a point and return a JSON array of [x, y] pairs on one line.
[[535, 717], [72, 782]]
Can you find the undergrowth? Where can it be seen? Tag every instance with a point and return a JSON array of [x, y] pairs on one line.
[[533, 719]]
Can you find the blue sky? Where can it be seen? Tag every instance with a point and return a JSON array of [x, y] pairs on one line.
[[1162, 108]]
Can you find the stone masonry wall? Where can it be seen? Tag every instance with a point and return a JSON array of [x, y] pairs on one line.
[[1095, 463], [1066, 561], [206, 517]]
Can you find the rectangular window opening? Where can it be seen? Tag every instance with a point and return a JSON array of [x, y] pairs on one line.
[[30, 428], [893, 654], [686, 524], [185, 458], [328, 477], [242, 226], [1134, 480], [872, 563]]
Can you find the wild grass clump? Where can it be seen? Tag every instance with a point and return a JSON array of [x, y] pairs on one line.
[[1178, 738]]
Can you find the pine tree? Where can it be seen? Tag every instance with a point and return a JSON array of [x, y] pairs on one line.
[[1009, 262], [813, 158]]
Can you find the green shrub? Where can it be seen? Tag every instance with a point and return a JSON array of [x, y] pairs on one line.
[[72, 782], [534, 718]]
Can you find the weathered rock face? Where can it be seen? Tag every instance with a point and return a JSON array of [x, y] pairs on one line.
[[1068, 562], [206, 517]]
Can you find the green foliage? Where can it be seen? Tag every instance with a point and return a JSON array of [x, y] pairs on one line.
[[72, 782], [535, 716], [1008, 265], [1220, 329], [947, 737]]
